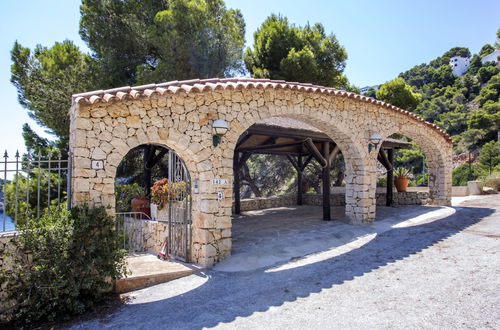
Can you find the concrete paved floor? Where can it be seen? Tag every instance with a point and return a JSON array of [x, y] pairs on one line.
[[421, 273], [266, 237]]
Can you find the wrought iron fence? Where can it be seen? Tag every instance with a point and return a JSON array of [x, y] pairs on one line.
[[131, 227], [30, 184]]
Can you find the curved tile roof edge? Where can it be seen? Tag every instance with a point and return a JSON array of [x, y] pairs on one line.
[[204, 85]]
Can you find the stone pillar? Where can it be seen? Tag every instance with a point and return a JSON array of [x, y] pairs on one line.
[[360, 196]]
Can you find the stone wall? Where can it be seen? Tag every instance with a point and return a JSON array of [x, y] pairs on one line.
[[7, 250], [105, 125], [336, 199], [144, 235]]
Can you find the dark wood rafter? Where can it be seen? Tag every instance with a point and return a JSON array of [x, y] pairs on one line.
[[326, 182], [236, 183], [323, 161], [382, 158], [308, 160], [390, 179], [300, 145], [300, 170]]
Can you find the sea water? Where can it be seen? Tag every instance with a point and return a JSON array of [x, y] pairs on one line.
[[9, 223]]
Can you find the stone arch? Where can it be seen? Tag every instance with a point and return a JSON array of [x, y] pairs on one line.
[[438, 154], [106, 124], [349, 148]]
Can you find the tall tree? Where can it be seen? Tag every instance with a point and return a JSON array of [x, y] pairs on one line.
[[157, 40], [398, 93], [307, 54], [46, 78]]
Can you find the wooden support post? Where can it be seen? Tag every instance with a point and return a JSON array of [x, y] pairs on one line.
[[326, 182], [299, 180], [236, 183], [148, 150], [390, 178]]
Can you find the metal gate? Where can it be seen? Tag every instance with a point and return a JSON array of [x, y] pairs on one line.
[[178, 203], [170, 215]]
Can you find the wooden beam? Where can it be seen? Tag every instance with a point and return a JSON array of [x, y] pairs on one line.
[[333, 154], [323, 161], [148, 149], [294, 163], [299, 180], [272, 146], [243, 159], [158, 157], [390, 179], [243, 138], [236, 183], [308, 160], [326, 183], [286, 132], [382, 158]]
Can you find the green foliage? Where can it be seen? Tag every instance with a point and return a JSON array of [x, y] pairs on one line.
[[27, 208], [46, 78], [486, 50], [486, 72], [124, 194], [466, 107], [67, 260], [152, 41], [398, 93], [401, 171], [493, 181], [491, 91], [465, 172], [490, 155], [307, 54]]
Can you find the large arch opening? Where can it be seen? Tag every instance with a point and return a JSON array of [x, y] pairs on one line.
[[289, 176], [153, 200]]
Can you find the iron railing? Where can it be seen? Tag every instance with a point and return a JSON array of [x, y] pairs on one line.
[[132, 230], [30, 184]]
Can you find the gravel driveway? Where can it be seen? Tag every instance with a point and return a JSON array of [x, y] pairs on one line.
[[439, 274]]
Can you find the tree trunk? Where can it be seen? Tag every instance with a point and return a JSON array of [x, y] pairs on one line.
[[249, 181]]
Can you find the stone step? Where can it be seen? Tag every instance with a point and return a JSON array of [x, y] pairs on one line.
[[146, 270]]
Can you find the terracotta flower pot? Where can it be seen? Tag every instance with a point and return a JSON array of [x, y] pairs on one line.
[[401, 183], [139, 202]]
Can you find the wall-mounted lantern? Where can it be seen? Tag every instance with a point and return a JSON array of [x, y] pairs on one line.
[[374, 141], [220, 127]]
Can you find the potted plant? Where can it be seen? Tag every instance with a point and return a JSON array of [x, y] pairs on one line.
[[401, 179], [141, 204], [165, 193]]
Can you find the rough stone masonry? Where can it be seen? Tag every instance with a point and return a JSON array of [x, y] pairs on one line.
[[105, 125]]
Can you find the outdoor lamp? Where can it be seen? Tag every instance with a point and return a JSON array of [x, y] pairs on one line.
[[374, 141], [220, 127]]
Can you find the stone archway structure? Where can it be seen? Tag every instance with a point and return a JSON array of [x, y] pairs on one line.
[[106, 124]]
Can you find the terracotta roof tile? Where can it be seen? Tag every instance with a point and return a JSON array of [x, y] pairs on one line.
[[205, 85]]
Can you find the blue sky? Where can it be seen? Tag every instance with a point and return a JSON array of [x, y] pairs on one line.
[[382, 38]]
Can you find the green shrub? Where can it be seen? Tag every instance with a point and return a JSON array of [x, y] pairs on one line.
[[124, 194], [68, 260], [422, 180], [461, 174], [493, 181]]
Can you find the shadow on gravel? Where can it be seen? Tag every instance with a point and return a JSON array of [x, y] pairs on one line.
[[226, 296]]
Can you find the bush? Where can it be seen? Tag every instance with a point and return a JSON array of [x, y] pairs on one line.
[[461, 174], [124, 194], [68, 260], [493, 181]]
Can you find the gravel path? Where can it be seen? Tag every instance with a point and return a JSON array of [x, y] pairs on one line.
[[439, 274]]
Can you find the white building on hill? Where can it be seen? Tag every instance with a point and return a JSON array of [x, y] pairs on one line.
[[459, 65], [492, 57]]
